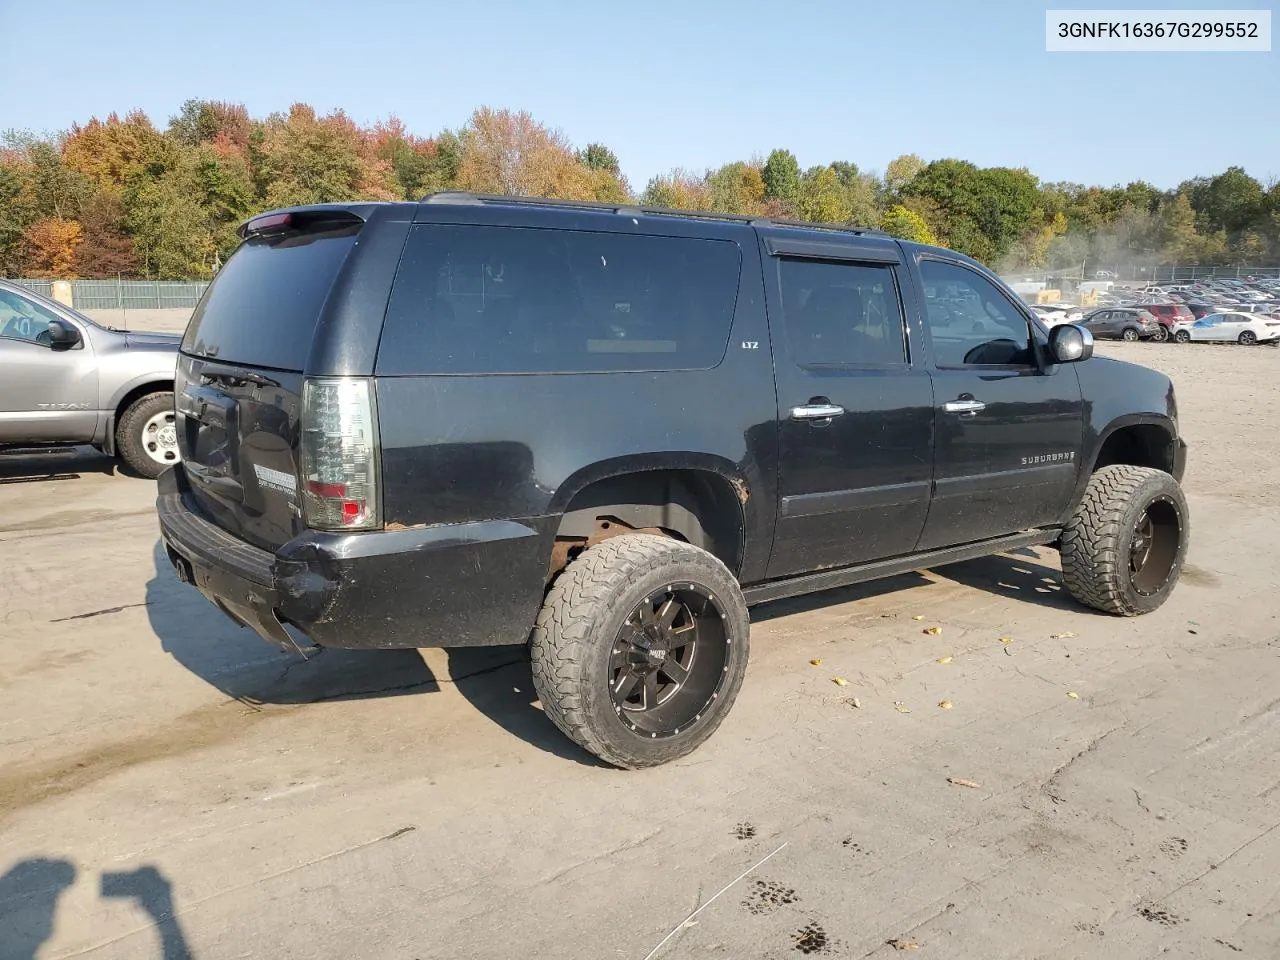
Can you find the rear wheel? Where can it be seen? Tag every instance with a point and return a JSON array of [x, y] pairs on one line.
[[640, 649], [1161, 335], [1182, 336], [1247, 338], [147, 437], [1130, 334], [1123, 550]]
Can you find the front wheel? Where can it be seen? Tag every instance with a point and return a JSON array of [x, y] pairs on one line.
[[1124, 548], [147, 436], [1248, 338], [1182, 336], [640, 649], [1130, 334]]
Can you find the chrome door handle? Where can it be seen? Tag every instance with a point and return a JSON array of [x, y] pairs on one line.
[[964, 406], [816, 411]]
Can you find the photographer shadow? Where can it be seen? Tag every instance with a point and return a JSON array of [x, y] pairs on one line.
[[31, 889]]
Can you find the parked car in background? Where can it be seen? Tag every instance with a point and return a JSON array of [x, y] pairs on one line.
[[1243, 328], [1055, 313], [1124, 323], [66, 380], [1167, 314]]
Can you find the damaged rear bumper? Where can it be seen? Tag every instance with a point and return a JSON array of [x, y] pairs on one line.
[[452, 585]]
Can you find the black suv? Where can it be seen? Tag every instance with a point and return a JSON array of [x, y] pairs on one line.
[[606, 431]]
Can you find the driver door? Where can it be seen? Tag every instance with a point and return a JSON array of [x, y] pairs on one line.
[[47, 394], [1008, 426]]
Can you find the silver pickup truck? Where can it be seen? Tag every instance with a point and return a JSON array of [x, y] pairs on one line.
[[66, 380]]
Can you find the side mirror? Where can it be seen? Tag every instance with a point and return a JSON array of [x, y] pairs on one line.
[[63, 334], [1070, 342]]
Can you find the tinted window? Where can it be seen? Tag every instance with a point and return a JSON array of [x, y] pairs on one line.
[[20, 319], [263, 305], [970, 321], [841, 313], [477, 299]]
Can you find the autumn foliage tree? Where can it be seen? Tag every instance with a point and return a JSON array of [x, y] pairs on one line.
[[121, 197]]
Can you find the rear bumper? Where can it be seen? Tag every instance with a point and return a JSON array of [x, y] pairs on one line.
[[468, 584]]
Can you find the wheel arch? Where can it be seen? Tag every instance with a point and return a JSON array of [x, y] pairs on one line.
[[699, 499]]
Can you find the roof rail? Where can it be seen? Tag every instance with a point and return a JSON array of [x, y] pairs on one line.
[[634, 209]]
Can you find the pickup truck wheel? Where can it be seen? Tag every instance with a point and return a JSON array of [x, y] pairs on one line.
[[146, 436], [640, 649], [1123, 550]]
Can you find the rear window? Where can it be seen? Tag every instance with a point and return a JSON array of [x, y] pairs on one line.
[[263, 306], [482, 299]]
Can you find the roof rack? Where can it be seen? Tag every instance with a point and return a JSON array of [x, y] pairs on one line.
[[635, 210]]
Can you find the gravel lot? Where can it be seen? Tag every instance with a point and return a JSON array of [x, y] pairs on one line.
[[170, 786]]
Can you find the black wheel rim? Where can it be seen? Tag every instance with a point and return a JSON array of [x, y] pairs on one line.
[[1153, 551], [669, 660]]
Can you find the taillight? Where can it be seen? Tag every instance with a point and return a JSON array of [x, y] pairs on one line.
[[340, 454]]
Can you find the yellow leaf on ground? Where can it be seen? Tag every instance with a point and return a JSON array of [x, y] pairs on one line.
[[944, 660], [902, 708], [817, 661], [840, 681], [921, 617], [962, 782], [1066, 635], [1006, 639], [933, 631], [945, 704], [1073, 695]]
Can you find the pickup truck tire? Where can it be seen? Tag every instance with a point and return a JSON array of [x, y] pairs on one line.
[[1123, 550], [141, 437], [611, 627]]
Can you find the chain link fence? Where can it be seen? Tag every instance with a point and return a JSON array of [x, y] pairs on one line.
[[126, 294]]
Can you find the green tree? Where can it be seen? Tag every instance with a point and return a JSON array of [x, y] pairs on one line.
[[1176, 231], [781, 175], [900, 172], [596, 156], [737, 188], [822, 197], [907, 224], [1231, 201]]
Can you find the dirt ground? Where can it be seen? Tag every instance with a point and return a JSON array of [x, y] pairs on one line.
[[170, 786]]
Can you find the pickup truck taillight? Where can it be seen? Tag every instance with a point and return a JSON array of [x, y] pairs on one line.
[[340, 454]]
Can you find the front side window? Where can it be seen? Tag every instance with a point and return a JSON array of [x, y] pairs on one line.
[[485, 299], [20, 319], [842, 313], [971, 323]]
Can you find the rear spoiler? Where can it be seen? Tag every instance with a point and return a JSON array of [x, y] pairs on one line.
[[303, 218]]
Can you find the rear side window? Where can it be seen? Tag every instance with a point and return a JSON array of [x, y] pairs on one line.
[[263, 305], [483, 299], [842, 313]]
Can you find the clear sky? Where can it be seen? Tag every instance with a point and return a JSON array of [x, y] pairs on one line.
[[691, 83]]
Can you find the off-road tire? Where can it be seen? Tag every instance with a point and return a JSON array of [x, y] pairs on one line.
[[576, 631], [129, 444], [1095, 545]]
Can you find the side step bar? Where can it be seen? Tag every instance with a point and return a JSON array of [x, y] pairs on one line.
[[844, 576]]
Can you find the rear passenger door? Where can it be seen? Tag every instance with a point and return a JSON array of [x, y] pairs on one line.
[[1009, 428], [855, 411]]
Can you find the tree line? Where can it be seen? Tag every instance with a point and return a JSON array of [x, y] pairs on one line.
[[121, 197]]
